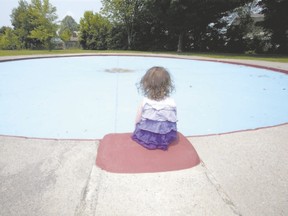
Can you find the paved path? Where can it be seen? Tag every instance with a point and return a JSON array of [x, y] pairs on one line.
[[243, 173]]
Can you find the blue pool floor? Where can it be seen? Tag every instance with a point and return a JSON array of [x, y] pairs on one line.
[[86, 98]]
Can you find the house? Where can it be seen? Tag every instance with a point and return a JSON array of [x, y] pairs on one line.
[[73, 42]]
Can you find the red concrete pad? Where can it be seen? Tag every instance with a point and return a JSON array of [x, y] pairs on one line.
[[118, 153]]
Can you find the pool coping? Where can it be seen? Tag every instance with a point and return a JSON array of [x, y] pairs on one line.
[[274, 66]]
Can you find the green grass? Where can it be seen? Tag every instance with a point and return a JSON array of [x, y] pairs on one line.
[[261, 57], [273, 58], [41, 52]]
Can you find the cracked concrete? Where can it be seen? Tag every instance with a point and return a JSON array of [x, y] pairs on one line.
[[89, 196], [43, 177], [221, 192], [186, 192]]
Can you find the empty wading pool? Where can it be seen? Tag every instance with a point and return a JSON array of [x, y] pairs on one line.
[[87, 97]]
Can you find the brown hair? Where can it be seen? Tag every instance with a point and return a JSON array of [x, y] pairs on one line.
[[156, 84]]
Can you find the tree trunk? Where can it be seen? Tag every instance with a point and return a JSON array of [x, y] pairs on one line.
[[180, 42], [129, 41]]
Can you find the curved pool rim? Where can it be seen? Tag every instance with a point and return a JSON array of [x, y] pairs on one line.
[[243, 62]]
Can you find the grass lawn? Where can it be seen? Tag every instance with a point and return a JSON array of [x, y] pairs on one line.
[[262, 57]]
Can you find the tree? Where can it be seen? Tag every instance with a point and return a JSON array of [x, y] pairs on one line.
[[8, 39], [67, 27], [21, 21], [117, 38], [240, 31], [35, 23], [176, 15], [123, 12], [151, 32], [153, 24], [94, 31], [215, 37], [276, 21], [3, 29], [192, 17], [44, 17], [68, 23]]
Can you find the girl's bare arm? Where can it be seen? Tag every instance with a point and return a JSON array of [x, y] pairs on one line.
[[138, 115]]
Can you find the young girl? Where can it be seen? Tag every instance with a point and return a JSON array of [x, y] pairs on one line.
[[156, 119]]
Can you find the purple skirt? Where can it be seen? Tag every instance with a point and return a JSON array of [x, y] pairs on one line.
[[151, 140]]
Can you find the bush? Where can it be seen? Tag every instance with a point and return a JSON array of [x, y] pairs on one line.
[[9, 40]]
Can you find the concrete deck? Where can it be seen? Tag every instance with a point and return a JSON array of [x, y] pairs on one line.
[[243, 173]]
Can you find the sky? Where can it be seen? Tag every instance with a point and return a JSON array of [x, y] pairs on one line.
[[74, 8]]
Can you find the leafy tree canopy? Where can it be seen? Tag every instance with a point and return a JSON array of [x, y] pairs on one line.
[[94, 31], [125, 13], [68, 23], [276, 21], [181, 16], [35, 23]]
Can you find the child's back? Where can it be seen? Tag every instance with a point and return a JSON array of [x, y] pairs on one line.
[[156, 125]]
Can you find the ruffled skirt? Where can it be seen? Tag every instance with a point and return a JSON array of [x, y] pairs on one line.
[[155, 135]]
